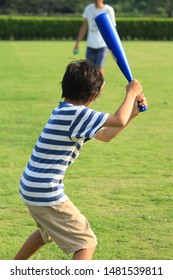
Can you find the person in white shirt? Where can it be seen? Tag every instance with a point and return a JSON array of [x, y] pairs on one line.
[[96, 48]]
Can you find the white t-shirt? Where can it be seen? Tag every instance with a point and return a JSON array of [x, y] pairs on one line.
[[94, 38]]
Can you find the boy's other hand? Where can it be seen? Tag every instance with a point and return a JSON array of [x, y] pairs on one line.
[[140, 100]]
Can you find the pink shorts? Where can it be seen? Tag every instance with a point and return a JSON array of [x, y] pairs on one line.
[[65, 225]]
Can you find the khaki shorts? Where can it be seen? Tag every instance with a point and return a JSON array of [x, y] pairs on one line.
[[65, 225]]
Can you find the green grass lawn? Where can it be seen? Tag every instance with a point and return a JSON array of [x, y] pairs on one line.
[[125, 187]]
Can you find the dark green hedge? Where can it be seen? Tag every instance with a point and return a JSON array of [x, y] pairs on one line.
[[30, 28], [42, 28], [146, 29]]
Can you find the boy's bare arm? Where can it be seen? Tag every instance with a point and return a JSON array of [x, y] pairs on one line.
[[106, 134], [122, 115]]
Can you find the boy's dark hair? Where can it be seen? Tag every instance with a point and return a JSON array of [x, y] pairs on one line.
[[81, 79]]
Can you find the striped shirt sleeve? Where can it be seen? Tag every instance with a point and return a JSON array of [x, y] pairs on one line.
[[86, 123]]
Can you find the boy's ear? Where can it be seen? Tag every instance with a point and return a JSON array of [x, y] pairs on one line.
[[93, 97]]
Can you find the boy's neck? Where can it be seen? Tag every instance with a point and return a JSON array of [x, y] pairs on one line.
[[86, 104], [76, 103]]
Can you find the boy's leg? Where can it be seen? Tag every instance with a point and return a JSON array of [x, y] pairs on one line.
[[84, 254], [31, 245]]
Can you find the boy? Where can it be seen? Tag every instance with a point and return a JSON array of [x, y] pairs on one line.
[[70, 125]]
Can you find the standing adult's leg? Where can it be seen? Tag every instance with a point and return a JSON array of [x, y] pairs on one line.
[[101, 59], [91, 55]]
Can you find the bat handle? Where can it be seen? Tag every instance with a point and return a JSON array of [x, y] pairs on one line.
[[141, 108]]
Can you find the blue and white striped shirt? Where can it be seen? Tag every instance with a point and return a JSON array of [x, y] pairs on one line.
[[57, 147]]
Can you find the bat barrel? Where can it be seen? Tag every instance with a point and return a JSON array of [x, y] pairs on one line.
[[113, 42]]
